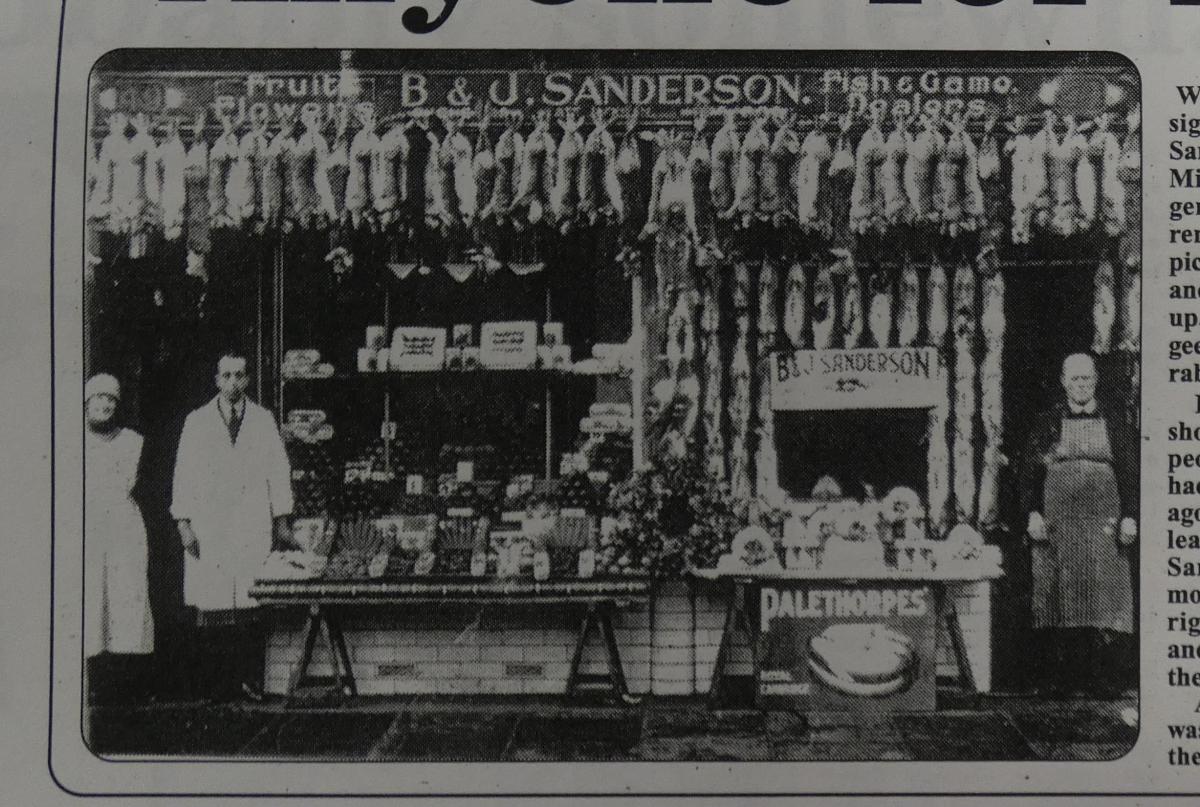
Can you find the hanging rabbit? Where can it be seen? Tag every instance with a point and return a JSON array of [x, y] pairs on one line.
[[991, 408], [726, 146], [965, 399], [564, 199], [537, 172], [276, 196], [600, 190]]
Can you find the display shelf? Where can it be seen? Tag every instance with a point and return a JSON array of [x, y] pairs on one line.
[[536, 374]]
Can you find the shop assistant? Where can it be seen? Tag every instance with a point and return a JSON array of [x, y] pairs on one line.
[[1080, 489], [232, 496]]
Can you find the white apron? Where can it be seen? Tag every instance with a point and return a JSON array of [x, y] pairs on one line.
[[231, 493], [117, 606]]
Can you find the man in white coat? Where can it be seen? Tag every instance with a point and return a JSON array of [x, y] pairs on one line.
[[232, 496]]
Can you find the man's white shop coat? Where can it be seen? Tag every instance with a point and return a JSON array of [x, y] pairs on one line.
[[230, 492]]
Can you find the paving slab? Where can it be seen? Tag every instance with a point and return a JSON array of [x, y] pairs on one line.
[[320, 735], [963, 736]]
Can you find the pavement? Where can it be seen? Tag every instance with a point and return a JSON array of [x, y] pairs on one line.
[[980, 727]]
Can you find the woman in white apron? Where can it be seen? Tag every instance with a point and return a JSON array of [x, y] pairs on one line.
[[116, 588]]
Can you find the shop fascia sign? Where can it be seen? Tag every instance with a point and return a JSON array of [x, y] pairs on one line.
[[861, 378], [285, 94]]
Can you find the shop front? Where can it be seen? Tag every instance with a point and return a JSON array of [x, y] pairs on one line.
[[609, 372]]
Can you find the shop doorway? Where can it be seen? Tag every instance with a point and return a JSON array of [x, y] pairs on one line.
[[868, 450]]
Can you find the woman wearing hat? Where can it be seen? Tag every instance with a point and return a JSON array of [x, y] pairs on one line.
[[116, 597]]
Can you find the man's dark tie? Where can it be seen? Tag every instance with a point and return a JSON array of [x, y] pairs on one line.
[[234, 424]]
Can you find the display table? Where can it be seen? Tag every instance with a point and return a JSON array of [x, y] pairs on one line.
[[325, 601], [824, 639]]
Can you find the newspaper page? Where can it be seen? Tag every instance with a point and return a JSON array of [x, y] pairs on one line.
[[546, 399]]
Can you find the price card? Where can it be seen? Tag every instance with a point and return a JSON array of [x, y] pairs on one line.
[[414, 485], [465, 471]]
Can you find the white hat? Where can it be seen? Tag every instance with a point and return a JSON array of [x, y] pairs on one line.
[[102, 384]]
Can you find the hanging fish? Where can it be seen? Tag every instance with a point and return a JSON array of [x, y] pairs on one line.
[[879, 318], [909, 318], [1130, 334], [937, 478], [795, 303], [1104, 308], [714, 379], [991, 385], [964, 394], [740, 406], [823, 310], [937, 289], [853, 300]]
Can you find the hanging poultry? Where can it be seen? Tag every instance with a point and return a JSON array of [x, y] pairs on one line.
[[510, 154], [389, 182], [137, 199], [1104, 151], [713, 409], [221, 159], [248, 190], [921, 172], [959, 191], [704, 214], [824, 308], [169, 164], [102, 202], [537, 175], [364, 152], [1068, 165], [748, 188], [813, 211], [896, 208], [867, 198], [671, 218], [785, 149], [335, 170], [483, 169], [307, 181], [275, 178], [726, 146]]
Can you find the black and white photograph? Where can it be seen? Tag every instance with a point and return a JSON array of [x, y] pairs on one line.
[[610, 405]]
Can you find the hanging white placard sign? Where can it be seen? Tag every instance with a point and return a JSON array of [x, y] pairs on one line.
[[864, 378]]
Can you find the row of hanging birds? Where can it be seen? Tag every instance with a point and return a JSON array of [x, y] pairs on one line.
[[921, 171]]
